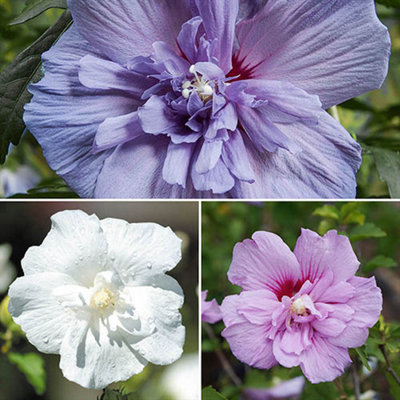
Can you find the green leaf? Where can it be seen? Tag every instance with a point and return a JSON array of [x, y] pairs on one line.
[[32, 366], [325, 391], [380, 261], [209, 393], [350, 214], [389, 3], [363, 356], [325, 226], [366, 231], [327, 211], [14, 80], [388, 165], [33, 8]]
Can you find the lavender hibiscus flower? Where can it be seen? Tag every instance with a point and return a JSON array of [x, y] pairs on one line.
[[207, 98], [299, 309], [210, 310]]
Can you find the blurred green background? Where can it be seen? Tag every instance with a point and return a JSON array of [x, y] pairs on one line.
[[374, 230], [373, 118], [24, 224]]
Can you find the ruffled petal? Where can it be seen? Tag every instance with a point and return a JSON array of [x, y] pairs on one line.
[[324, 168], [88, 348], [134, 170], [64, 115], [98, 73], [235, 157], [324, 362], [141, 249], [248, 342], [318, 255], [265, 262], [76, 241], [367, 306], [336, 51], [124, 29], [219, 19], [40, 315], [163, 307]]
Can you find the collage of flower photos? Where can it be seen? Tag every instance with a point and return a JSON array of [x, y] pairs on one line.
[[199, 199]]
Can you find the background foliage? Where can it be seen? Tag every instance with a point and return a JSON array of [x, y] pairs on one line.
[[374, 118], [374, 230]]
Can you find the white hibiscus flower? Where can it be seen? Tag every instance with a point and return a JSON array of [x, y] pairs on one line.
[[7, 269], [96, 293]]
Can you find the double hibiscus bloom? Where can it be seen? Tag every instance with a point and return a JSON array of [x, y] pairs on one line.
[[207, 98]]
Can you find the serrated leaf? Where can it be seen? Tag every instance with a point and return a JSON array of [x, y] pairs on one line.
[[33, 8], [209, 393], [363, 356], [388, 165], [389, 3], [32, 366], [366, 231], [327, 211], [14, 81], [380, 261]]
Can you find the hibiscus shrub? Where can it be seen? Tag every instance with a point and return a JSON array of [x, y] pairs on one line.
[[306, 299], [216, 98]]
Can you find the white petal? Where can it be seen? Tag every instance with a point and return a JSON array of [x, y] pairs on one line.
[[94, 357], [40, 315], [142, 249], [165, 345], [75, 245]]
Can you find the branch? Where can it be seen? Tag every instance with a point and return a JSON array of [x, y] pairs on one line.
[[389, 364], [224, 362], [339, 386]]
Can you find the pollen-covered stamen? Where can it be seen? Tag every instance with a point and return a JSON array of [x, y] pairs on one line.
[[298, 307], [199, 84], [102, 299]]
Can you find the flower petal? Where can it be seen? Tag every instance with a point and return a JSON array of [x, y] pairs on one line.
[[89, 348], [124, 29], [134, 170], [219, 19], [336, 51], [324, 362], [234, 156], [324, 168], [162, 306], [210, 310], [118, 130], [40, 315], [265, 262], [177, 163], [64, 115], [318, 255], [75, 242], [247, 341], [98, 73], [367, 306], [142, 249]]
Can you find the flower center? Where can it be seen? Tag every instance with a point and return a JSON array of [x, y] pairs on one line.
[[298, 307], [102, 299], [198, 84]]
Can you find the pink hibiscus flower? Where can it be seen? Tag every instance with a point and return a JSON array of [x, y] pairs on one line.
[[303, 308]]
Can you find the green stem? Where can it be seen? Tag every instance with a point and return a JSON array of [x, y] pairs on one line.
[[335, 113], [389, 364]]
